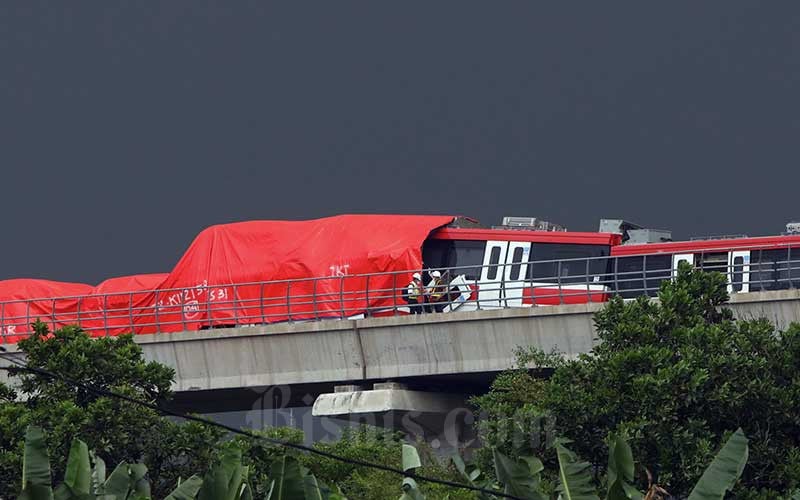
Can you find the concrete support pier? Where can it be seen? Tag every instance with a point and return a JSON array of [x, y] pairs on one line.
[[440, 419]]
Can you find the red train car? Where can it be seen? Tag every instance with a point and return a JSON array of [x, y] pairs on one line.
[[751, 264], [522, 268], [113, 306], [23, 301], [259, 272]]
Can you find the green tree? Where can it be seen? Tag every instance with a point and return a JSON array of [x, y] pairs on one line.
[[116, 430], [379, 447], [227, 478], [675, 375], [259, 455]]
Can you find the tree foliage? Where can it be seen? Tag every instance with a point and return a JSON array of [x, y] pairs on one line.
[[521, 477], [675, 375], [225, 479], [117, 430], [228, 478], [379, 447]]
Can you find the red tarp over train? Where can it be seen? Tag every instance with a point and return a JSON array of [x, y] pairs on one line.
[[23, 301], [324, 254], [113, 306]]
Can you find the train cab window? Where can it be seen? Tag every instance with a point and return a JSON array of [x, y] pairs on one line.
[[494, 259], [516, 263], [466, 257], [568, 263], [435, 253], [462, 256]]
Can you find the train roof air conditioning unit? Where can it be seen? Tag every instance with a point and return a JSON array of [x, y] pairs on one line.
[[793, 228], [529, 224]]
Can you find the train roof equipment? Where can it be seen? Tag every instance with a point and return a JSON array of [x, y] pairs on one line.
[[529, 224], [634, 234]]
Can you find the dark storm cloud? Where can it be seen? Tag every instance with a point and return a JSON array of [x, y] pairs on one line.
[[127, 127]]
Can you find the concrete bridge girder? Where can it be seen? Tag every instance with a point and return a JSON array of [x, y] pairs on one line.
[[421, 347]]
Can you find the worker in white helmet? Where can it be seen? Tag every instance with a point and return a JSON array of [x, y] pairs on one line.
[[415, 294], [435, 291]]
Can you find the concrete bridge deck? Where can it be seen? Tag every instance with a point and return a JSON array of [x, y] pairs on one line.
[[376, 349]]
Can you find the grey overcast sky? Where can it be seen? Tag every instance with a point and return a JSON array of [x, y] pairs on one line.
[[127, 127]]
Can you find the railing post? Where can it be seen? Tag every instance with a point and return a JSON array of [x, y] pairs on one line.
[[261, 296], [503, 289], [78, 313], [156, 319], [183, 312], [314, 298], [560, 290], [105, 314], [729, 277], [341, 296], [394, 294], [3, 330], [207, 293], [53, 315], [644, 275], [530, 284], [789, 258], [27, 314], [755, 266], [289, 300], [448, 291], [130, 312], [366, 309], [616, 276], [234, 304], [729, 273], [588, 287]]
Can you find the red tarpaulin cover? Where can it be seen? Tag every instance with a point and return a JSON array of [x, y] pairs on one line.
[[55, 303], [324, 254], [122, 299]]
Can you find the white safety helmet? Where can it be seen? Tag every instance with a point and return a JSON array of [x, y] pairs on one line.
[[436, 274], [416, 276]]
